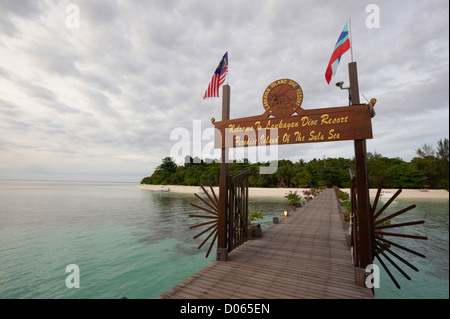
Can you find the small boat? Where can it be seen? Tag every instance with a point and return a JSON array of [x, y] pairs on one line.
[[162, 189], [385, 195], [201, 192]]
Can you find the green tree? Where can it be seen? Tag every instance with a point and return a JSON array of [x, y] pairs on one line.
[[426, 150], [146, 180], [284, 173], [301, 179], [168, 166], [406, 175], [377, 169], [443, 157], [431, 164]]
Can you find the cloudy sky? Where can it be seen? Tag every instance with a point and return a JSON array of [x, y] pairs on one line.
[[97, 98]]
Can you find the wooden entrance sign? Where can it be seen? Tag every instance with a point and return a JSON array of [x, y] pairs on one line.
[[278, 125], [281, 99], [309, 126]]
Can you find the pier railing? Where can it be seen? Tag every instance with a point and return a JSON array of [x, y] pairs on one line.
[[235, 230], [353, 220], [237, 219], [380, 246]]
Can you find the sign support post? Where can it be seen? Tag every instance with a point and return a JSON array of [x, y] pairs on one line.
[[362, 189], [222, 250]]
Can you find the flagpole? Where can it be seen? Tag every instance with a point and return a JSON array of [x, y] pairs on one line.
[[228, 70], [351, 39], [228, 73]]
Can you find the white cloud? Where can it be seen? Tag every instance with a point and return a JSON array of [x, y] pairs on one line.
[[101, 100]]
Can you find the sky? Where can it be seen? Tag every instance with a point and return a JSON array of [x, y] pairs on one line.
[[97, 90]]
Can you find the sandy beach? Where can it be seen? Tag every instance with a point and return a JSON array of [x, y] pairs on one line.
[[281, 192]]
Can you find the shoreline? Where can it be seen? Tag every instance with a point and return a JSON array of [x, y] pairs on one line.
[[281, 192]]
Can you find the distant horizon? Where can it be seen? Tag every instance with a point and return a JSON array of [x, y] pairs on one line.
[[63, 181], [138, 184], [138, 178], [102, 90]]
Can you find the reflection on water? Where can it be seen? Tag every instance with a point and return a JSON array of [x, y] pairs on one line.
[[136, 243], [168, 215]]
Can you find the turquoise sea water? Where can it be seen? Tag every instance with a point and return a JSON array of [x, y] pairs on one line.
[[125, 241], [137, 244], [432, 280]]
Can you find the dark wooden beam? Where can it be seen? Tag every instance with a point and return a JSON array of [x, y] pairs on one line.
[[222, 253], [362, 183]]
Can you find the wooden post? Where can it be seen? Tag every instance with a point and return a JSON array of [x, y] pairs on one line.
[[362, 187], [222, 251], [354, 239]]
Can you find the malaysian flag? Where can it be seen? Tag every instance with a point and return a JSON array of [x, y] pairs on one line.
[[218, 78]]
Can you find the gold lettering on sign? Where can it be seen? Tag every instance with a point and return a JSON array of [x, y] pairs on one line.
[[306, 121], [313, 136], [248, 142], [237, 129], [281, 125], [326, 119], [263, 140], [275, 83], [327, 125], [293, 84], [299, 137], [333, 136]]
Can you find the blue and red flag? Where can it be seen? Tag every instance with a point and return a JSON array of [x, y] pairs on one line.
[[342, 46], [218, 78]]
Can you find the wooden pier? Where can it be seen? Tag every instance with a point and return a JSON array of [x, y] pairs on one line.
[[304, 256]]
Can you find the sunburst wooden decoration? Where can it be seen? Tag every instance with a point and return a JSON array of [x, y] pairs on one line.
[[213, 215], [381, 245]]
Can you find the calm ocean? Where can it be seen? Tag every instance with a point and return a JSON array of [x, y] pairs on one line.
[[137, 244]]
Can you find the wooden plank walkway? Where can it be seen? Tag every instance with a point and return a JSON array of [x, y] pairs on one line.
[[304, 256]]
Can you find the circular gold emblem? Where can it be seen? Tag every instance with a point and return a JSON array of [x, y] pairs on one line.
[[282, 97]]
